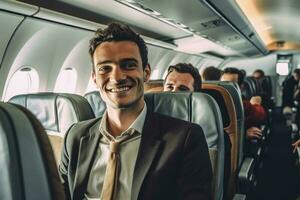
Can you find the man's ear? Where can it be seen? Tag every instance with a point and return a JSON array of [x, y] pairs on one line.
[[147, 73]]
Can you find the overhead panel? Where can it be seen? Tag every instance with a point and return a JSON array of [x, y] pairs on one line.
[[204, 22]]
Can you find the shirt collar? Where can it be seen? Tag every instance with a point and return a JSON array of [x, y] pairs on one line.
[[137, 124]]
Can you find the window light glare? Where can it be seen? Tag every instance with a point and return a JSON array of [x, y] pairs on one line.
[[66, 81], [282, 68], [23, 81]]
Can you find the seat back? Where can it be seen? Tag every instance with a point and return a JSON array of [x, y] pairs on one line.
[[56, 112], [96, 102], [27, 164], [228, 110], [235, 93], [200, 109]]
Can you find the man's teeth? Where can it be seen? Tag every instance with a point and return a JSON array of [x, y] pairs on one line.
[[120, 89]]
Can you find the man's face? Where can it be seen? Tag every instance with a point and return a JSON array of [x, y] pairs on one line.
[[119, 73], [230, 77], [179, 82]]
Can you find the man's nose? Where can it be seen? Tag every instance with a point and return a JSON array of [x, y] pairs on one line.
[[117, 74]]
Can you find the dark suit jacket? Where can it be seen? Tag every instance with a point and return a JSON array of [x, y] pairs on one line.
[[172, 163]]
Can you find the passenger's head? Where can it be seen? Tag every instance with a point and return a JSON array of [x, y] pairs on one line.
[[182, 77], [232, 74], [211, 74], [115, 33], [119, 56], [258, 74], [296, 74]]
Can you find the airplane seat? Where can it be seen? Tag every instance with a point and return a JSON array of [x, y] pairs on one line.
[[247, 91], [154, 86], [28, 169], [56, 112], [200, 109], [96, 102], [241, 168], [235, 93], [248, 81]]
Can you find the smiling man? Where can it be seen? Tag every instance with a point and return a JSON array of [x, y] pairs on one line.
[[131, 153], [182, 77]]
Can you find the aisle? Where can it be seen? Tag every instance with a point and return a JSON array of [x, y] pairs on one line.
[[277, 179]]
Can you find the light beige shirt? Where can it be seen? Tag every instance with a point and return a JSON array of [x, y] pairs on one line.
[[128, 156]]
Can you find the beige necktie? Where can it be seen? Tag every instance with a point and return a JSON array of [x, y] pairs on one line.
[[112, 170]]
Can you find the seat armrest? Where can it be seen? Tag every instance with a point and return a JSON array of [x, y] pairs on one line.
[[239, 197], [246, 175]]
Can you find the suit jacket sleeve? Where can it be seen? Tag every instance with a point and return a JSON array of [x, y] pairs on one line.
[[196, 175]]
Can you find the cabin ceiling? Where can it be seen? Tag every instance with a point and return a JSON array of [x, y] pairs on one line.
[[179, 22], [276, 21]]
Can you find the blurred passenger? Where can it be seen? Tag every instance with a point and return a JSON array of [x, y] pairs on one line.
[[211, 74], [255, 114], [289, 88], [258, 74], [182, 77]]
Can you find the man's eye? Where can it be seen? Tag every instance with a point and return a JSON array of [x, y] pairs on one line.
[[183, 89], [169, 87], [103, 69], [129, 65]]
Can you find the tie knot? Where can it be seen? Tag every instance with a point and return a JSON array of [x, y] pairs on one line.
[[114, 146]]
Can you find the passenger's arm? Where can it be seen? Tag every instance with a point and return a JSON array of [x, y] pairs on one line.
[[196, 176]]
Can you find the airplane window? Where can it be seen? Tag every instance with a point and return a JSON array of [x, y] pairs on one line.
[[282, 68], [91, 86], [25, 80], [66, 81]]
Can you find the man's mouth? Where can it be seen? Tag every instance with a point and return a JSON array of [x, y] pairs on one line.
[[120, 89]]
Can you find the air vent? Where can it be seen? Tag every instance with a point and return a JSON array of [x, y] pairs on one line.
[[213, 23]]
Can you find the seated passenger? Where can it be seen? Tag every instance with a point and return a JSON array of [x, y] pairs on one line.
[[289, 89], [211, 74], [159, 157], [185, 77], [255, 114], [258, 74], [182, 77]]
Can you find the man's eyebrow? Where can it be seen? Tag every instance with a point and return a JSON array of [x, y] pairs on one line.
[[121, 60], [104, 62], [128, 59]]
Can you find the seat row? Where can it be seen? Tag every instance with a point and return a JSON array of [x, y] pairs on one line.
[[218, 110]]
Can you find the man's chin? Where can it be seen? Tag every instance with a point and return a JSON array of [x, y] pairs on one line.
[[125, 105]]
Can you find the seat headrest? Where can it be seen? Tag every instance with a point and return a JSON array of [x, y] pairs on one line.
[[56, 111], [28, 169], [198, 108], [96, 102]]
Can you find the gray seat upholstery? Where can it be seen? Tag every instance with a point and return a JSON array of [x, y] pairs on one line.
[[56, 112], [27, 164], [96, 103], [201, 109]]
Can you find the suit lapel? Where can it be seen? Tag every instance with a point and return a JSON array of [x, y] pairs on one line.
[[87, 148], [149, 146]]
